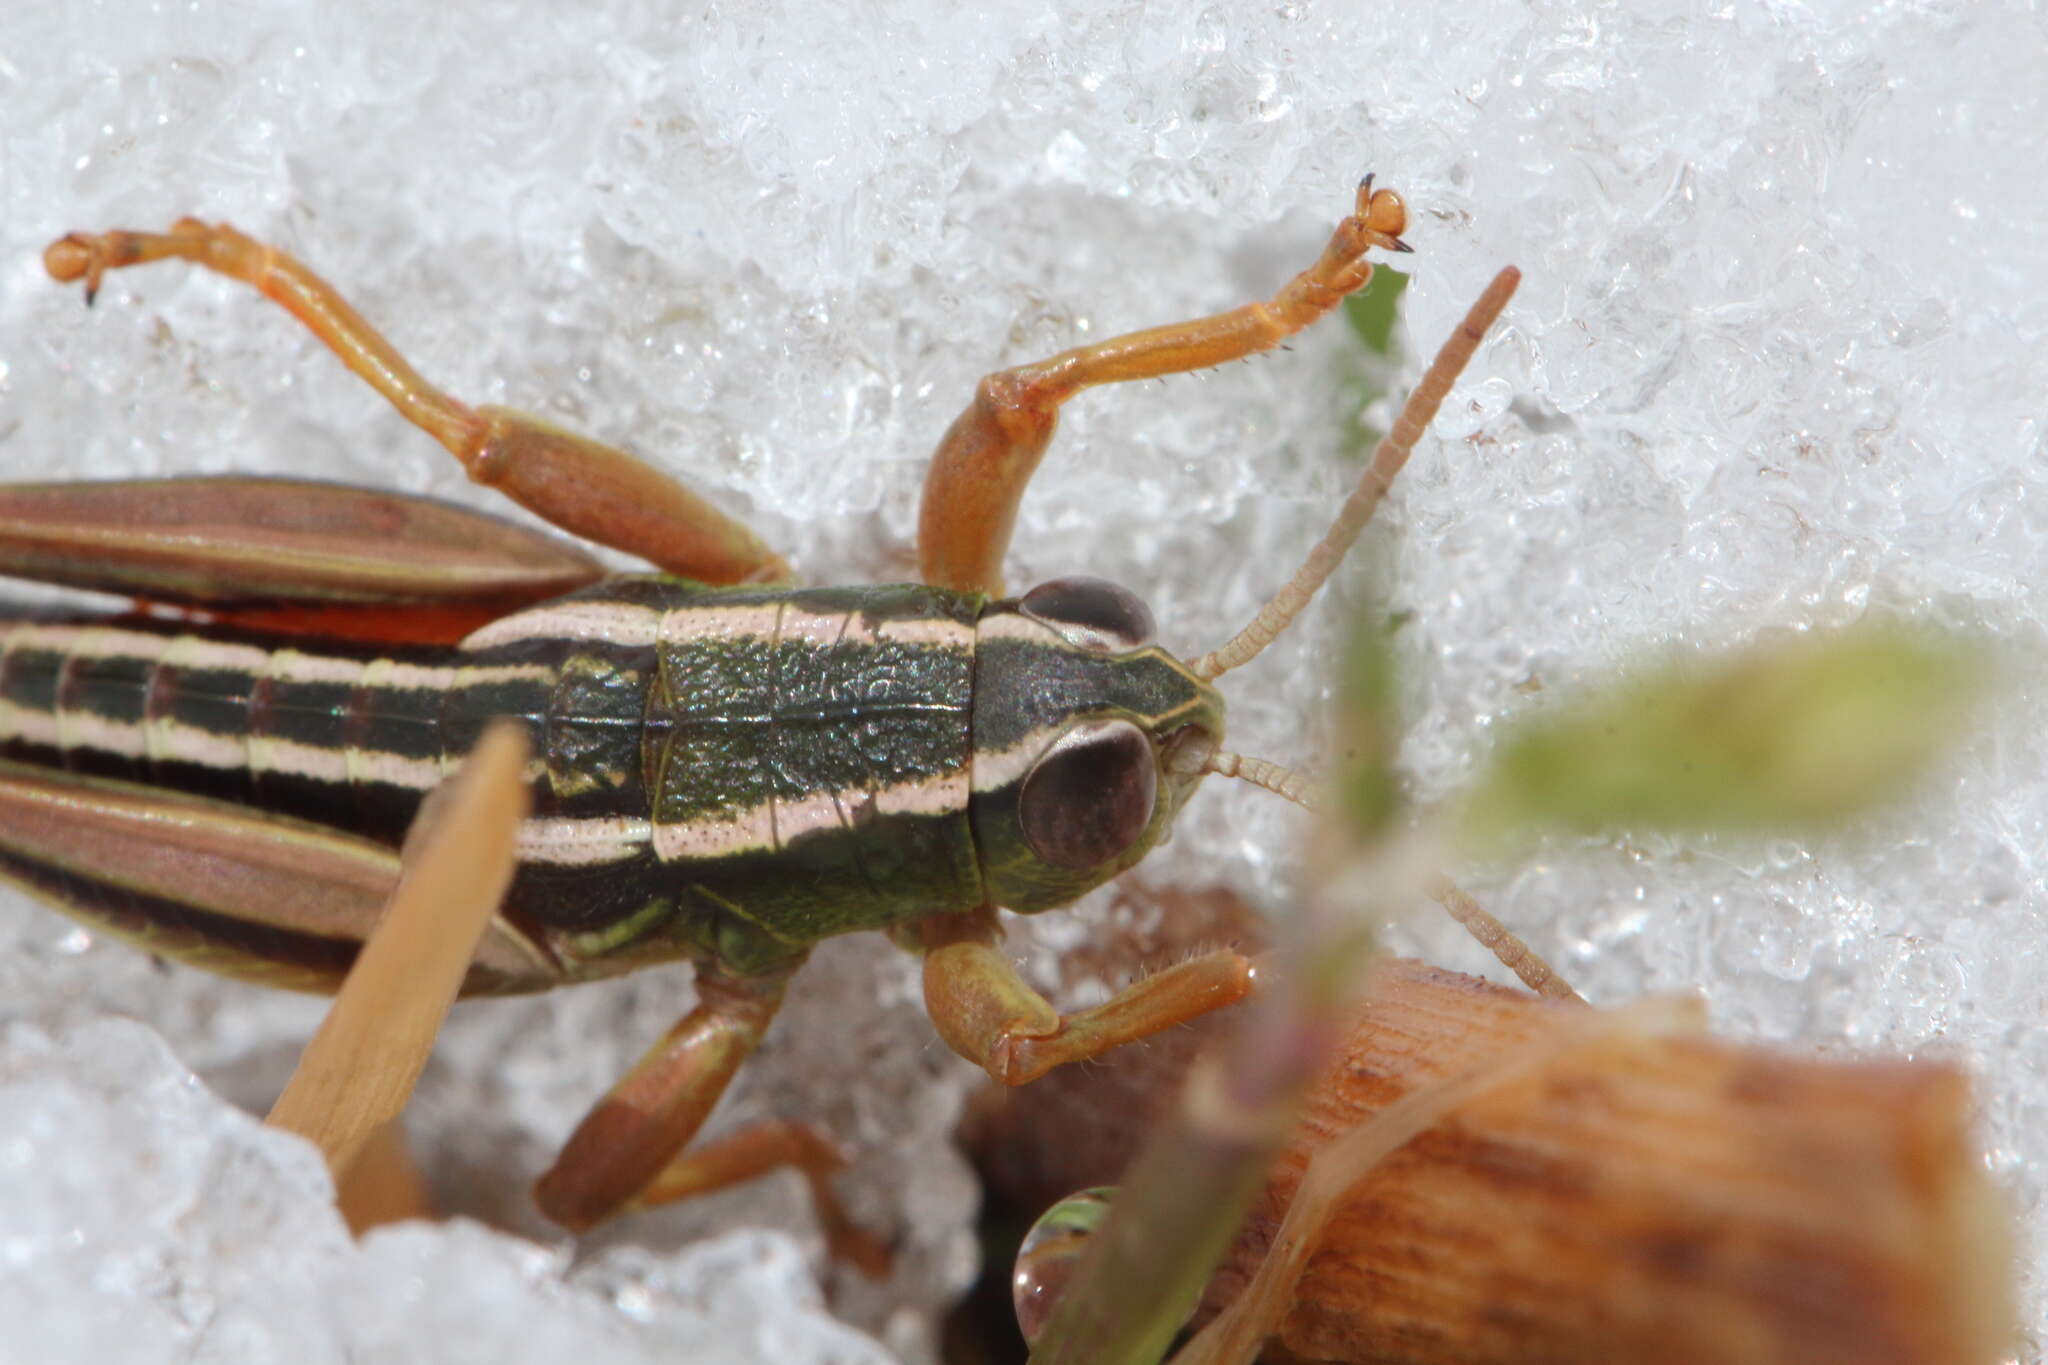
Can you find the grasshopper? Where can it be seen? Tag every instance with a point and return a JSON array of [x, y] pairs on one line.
[[727, 769]]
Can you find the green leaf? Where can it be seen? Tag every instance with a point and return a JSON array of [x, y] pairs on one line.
[[1370, 315], [1789, 734], [1368, 731], [1370, 312]]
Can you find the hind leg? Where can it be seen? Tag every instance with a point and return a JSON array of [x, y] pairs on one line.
[[582, 486]]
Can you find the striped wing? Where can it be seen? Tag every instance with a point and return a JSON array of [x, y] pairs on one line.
[[259, 897]]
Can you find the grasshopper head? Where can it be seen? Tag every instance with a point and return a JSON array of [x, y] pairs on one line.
[[1087, 736], [1087, 739]]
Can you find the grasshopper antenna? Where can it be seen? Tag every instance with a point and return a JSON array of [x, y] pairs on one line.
[[1387, 459], [1260, 773], [1505, 945]]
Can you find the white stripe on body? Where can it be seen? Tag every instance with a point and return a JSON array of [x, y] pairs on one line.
[[163, 738], [770, 825], [617, 623]]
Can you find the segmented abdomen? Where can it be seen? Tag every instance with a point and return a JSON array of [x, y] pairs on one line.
[[351, 736]]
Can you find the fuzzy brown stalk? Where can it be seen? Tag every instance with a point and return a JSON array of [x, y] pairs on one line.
[[1638, 1199], [1632, 1198]]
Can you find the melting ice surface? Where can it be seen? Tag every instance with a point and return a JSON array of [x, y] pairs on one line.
[[149, 1222], [1779, 360]]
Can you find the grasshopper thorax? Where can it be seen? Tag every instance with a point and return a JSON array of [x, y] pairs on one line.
[[1087, 739]]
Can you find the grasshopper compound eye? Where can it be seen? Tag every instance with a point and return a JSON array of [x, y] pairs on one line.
[[1091, 612], [1091, 796]]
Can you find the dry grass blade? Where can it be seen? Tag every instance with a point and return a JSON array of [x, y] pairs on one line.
[[360, 1068]]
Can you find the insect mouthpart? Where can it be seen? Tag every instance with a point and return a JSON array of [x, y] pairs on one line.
[[1193, 752]]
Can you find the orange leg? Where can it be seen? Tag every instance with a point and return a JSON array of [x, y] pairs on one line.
[[755, 1151], [988, 455], [986, 1013], [586, 488], [628, 1154]]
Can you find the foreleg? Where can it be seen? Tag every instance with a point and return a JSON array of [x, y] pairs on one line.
[[986, 1013], [988, 455]]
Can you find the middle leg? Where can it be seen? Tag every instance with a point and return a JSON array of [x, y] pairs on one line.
[[628, 1153]]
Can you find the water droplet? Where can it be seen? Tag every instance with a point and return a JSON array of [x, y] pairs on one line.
[[1050, 1252]]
